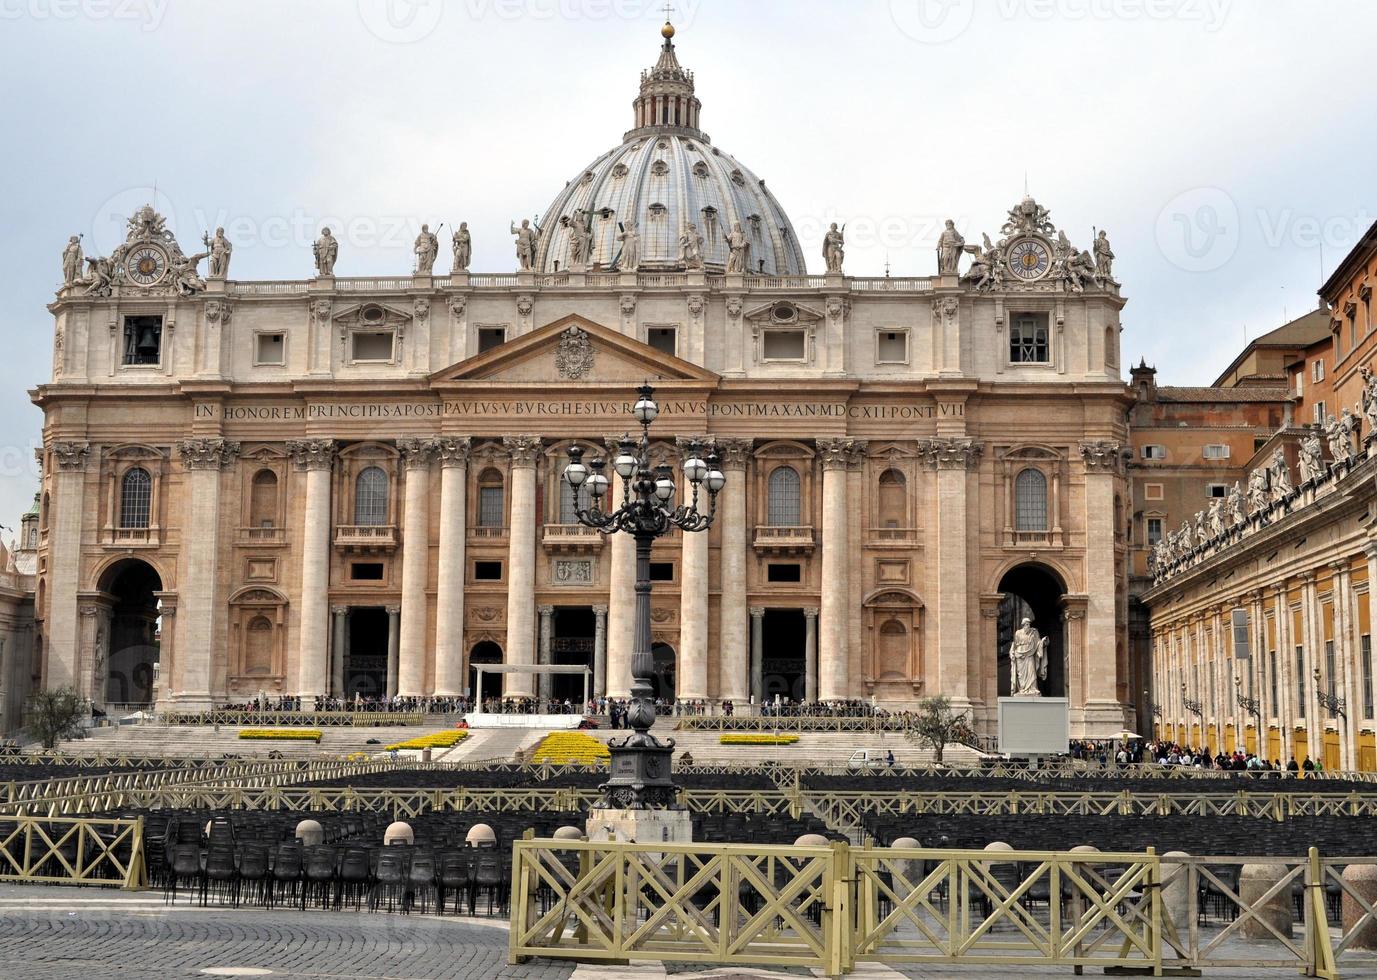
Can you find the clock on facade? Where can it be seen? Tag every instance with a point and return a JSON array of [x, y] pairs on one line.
[[1029, 259], [146, 265]]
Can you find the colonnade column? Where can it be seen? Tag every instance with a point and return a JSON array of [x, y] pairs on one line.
[[547, 629], [953, 458], [64, 551], [316, 457], [338, 649], [693, 600], [599, 651], [1344, 659], [836, 457], [417, 455], [394, 614], [202, 459], [1314, 716], [621, 604], [733, 634], [450, 677], [524, 451], [1099, 660], [810, 653], [1286, 717], [758, 654]]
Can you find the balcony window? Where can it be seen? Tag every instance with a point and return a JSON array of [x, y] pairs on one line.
[[1028, 339], [490, 499], [370, 497], [1030, 501], [784, 505], [136, 498]]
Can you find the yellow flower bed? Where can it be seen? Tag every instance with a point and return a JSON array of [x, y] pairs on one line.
[[435, 740], [754, 739], [281, 734], [571, 748]]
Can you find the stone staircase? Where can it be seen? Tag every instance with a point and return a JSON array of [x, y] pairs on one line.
[[205, 741]]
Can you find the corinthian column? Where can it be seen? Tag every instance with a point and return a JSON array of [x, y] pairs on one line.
[[315, 457], [599, 651], [417, 455], [64, 551], [952, 458], [524, 450], [449, 601], [621, 595], [733, 635], [836, 457], [693, 603], [1103, 466]]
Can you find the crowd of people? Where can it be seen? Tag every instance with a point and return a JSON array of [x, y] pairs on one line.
[[1126, 752]]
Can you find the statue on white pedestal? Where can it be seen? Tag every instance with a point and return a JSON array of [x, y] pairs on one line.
[[426, 248], [949, 247], [1027, 661], [325, 250], [630, 258], [219, 248], [691, 248], [738, 250], [463, 247], [1104, 259], [71, 261], [833, 251], [527, 241]]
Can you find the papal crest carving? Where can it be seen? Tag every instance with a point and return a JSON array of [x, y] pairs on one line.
[[574, 354]]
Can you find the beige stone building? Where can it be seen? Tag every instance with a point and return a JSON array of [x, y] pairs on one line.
[[343, 485]]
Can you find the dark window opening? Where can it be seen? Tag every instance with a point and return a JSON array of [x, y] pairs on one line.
[[662, 339], [487, 571], [490, 337], [784, 573], [662, 571], [366, 571], [143, 339]]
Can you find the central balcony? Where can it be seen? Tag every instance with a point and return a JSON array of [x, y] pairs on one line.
[[784, 540], [366, 538], [566, 538]]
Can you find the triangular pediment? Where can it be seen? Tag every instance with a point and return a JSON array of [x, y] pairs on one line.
[[573, 350]]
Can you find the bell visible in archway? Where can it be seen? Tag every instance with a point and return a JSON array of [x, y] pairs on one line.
[[147, 343], [1028, 660]]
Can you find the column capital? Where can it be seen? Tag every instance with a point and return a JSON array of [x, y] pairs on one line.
[[1339, 567], [312, 454], [810, 612], [734, 453], [417, 454], [393, 610], [207, 454], [757, 612], [951, 453], [1101, 456], [600, 611], [453, 450], [524, 450], [1370, 549], [339, 610], [71, 456], [545, 610], [1307, 577], [836, 454]]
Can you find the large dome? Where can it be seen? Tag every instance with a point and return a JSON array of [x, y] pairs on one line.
[[666, 175]]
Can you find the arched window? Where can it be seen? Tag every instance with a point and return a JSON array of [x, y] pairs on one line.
[[136, 498], [258, 646], [1030, 501], [893, 500], [263, 499], [569, 503], [784, 503], [490, 499], [370, 497]]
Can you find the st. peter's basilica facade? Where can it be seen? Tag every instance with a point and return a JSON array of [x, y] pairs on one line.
[[352, 485]]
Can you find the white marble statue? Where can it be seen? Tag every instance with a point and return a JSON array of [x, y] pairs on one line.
[[1104, 258], [185, 279], [1217, 517], [71, 261], [1367, 401], [427, 247], [1202, 529], [629, 259], [1310, 462], [833, 248], [326, 250], [527, 241], [580, 239], [1257, 491], [462, 246], [1352, 432], [950, 245], [691, 248], [738, 250], [1238, 516], [1027, 661], [981, 274], [219, 249], [1279, 476]]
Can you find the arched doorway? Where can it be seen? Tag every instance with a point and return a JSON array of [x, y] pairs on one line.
[[784, 671], [572, 646], [485, 652], [126, 654], [1034, 592], [662, 677]]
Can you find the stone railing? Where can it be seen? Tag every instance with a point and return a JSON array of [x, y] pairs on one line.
[[793, 538], [571, 537], [365, 536]]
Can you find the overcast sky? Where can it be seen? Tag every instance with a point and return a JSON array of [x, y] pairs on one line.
[[1224, 144]]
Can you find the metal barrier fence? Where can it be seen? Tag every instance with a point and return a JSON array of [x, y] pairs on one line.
[[310, 719], [832, 908], [87, 851]]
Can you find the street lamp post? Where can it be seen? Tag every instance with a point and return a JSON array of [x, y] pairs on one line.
[[640, 775], [1248, 704], [1330, 701]]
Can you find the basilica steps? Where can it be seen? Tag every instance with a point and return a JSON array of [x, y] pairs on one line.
[[204, 741], [812, 748]]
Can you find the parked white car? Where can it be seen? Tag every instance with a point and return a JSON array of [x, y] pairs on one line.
[[869, 759]]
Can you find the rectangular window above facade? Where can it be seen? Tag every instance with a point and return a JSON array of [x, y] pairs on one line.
[[1217, 490], [784, 345], [1154, 452], [270, 349], [490, 337], [143, 341], [1217, 450], [663, 339], [1317, 369], [1028, 339], [891, 347], [1154, 530], [372, 346], [1153, 491]]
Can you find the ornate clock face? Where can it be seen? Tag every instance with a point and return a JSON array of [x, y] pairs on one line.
[[146, 265], [1029, 259]]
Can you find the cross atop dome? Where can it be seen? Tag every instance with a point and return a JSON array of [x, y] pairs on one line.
[[666, 101]]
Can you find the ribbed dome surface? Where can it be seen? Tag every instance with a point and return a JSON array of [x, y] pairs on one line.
[[664, 176]]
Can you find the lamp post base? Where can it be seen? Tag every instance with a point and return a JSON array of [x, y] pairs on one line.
[[640, 826]]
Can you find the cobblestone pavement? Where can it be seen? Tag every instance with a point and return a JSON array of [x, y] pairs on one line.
[[87, 934]]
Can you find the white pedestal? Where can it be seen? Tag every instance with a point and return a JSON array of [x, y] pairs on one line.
[[640, 826], [1034, 726], [481, 719]]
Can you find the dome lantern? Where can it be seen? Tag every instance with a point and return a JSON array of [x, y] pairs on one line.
[[666, 103]]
